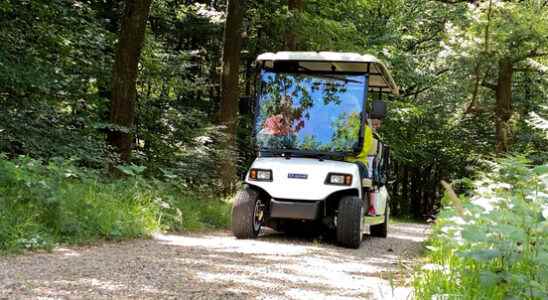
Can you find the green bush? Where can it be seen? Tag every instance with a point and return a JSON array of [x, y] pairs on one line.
[[493, 245], [42, 205]]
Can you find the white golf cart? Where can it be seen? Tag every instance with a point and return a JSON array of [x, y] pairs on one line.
[[309, 119]]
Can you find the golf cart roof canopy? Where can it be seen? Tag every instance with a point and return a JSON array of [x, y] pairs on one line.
[[379, 77]]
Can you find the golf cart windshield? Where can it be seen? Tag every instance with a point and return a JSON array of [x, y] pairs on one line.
[[310, 112]]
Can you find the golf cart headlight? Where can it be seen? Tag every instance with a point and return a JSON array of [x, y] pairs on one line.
[[339, 179], [260, 175]]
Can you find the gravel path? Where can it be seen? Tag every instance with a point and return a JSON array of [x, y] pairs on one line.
[[217, 266]]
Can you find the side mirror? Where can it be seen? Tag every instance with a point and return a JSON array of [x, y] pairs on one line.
[[378, 110]]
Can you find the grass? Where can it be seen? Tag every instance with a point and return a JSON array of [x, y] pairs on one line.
[[44, 205]]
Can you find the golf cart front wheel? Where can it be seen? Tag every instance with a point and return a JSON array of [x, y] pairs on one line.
[[247, 214], [349, 222]]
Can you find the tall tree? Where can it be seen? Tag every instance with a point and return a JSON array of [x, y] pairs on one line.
[[230, 88], [295, 7], [504, 38], [124, 75], [503, 105]]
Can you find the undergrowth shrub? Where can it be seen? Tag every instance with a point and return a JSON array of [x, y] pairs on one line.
[[493, 244], [42, 205]]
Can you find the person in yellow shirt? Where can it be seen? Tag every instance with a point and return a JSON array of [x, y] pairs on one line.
[[366, 148], [366, 157]]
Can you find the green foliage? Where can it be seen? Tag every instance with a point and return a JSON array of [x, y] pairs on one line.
[[59, 203], [55, 83], [53, 70], [497, 248], [494, 29]]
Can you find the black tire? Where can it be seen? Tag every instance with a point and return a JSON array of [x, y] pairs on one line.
[[349, 219], [381, 230], [243, 214]]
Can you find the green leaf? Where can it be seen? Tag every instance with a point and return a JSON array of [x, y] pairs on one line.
[[488, 278], [131, 170], [511, 232], [541, 170], [482, 255], [126, 170], [474, 234], [542, 258]]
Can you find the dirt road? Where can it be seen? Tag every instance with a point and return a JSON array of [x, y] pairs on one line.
[[217, 266]]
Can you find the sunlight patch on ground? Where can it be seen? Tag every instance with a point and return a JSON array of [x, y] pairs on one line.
[[313, 295], [230, 244], [408, 237], [308, 270], [66, 252], [236, 279]]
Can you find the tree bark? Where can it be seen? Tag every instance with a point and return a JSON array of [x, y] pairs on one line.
[[124, 75], [428, 199], [405, 191], [503, 108], [230, 89], [395, 194], [415, 196], [295, 7]]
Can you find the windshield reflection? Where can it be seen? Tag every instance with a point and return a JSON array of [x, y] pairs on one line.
[[314, 112]]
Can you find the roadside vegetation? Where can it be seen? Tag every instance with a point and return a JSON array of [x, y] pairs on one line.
[[44, 204], [493, 242]]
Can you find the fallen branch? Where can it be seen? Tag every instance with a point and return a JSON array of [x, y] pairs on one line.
[[454, 198]]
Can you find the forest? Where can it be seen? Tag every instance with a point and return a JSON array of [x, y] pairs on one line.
[[122, 118]]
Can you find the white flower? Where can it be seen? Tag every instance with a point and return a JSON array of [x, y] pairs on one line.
[[203, 139], [445, 296], [457, 220], [434, 268], [488, 204], [215, 17]]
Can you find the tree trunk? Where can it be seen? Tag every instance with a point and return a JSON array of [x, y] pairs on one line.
[[427, 190], [124, 75], [415, 196], [395, 194], [405, 191], [230, 89], [295, 7], [503, 109]]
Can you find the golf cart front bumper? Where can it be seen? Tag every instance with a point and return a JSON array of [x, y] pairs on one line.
[[301, 210], [302, 179]]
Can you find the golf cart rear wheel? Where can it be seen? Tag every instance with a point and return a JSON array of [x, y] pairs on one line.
[[349, 220], [381, 230], [247, 214]]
